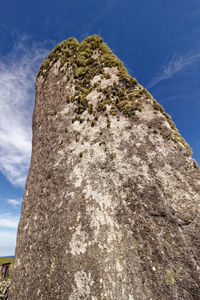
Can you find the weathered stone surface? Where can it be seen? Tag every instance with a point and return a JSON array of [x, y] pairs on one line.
[[111, 206], [4, 288]]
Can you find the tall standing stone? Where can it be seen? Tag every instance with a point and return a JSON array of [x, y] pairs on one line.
[[111, 205]]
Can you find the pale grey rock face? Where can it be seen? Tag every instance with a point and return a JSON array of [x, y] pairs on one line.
[[111, 207]]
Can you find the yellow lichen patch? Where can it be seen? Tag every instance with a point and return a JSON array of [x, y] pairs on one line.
[[178, 273], [177, 248], [169, 277]]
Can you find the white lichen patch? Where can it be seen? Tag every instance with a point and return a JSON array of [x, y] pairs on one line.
[[52, 266], [105, 83], [66, 109], [55, 67], [164, 175], [183, 192], [93, 97], [118, 129], [113, 238], [151, 155], [60, 156], [96, 79], [143, 170], [161, 149], [69, 90], [102, 199], [78, 216], [77, 176], [79, 241], [119, 267], [111, 71], [101, 219], [102, 82], [181, 204], [141, 131], [82, 290], [156, 140], [147, 112]]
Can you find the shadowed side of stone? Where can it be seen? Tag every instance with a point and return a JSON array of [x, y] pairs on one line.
[[111, 205]]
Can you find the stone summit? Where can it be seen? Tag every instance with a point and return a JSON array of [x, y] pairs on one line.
[[112, 199]]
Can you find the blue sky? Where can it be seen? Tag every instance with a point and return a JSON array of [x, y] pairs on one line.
[[158, 41]]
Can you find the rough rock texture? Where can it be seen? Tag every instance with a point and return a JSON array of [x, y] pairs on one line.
[[4, 288], [111, 206]]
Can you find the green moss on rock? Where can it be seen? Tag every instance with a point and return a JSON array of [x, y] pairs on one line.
[[88, 59]]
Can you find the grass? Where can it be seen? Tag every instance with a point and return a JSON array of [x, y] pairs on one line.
[[4, 260]]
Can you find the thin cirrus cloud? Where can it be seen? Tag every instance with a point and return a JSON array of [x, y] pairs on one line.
[[17, 77], [176, 64], [8, 221], [13, 202]]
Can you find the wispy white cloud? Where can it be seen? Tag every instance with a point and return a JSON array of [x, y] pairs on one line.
[[8, 221], [17, 77], [15, 203], [176, 64]]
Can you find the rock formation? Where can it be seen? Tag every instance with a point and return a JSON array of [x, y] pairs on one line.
[[111, 205]]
